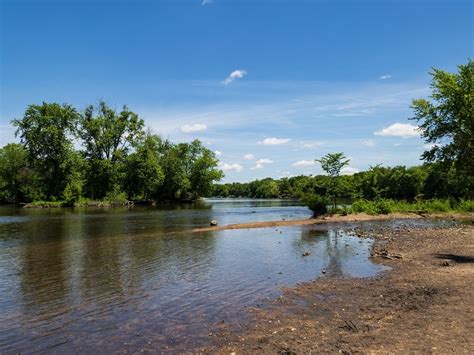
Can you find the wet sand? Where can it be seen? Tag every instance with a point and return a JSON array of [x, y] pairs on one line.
[[357, 217], [425, 303]]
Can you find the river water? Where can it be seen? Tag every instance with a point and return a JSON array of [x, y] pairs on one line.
[[116, 280]]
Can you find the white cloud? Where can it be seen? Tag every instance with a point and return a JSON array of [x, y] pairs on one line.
[[236, 74], [197, 127], [264, 161], [368, 143], [218, 153], [304, 163], [348, 170], [230, 167], [385, 77], [249, 157], [207, 2], [261, 163], [258, 166], [313, 145], [274, 141], [404, 130]]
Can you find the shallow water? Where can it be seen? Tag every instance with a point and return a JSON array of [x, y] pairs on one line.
[[118, 279]]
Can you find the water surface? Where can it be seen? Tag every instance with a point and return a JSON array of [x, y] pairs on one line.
[[116, 279]]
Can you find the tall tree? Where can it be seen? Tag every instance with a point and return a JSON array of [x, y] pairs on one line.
[[332, 164], [18, 182], [107, 137], [46, 132], [447, 121], [203, 169], [144, 175]]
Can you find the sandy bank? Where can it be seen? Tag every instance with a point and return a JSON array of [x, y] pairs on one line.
[[359, 217]]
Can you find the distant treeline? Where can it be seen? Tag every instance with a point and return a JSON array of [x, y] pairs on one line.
[[446, 122], [400, 183], [117, 159]]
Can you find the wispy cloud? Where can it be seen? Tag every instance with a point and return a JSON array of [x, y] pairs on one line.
[[218, 153], [236, 74], [230, 167], [304, 163], [368, 143], [404, 130], [249, 157], [264, 161], [197, 127], [313, 145], [206, 2], [259, 164], [385, 77], [274, 141]]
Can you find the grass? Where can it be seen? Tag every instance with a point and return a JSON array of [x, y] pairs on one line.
[[384, 206]]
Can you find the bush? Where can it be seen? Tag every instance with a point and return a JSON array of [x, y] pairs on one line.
[[365, 206], [315, 203], [116, 197], [383, 206], [466, 206]]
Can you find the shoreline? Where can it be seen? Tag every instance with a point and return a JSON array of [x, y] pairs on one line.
[[423, 304], [359, 217]]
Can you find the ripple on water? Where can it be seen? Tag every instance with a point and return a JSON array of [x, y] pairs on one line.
[[103, 283]]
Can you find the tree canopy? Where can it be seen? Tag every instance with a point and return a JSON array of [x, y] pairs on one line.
[[447, 120], [66, 155]]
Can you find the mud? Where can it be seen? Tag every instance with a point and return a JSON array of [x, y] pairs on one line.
[[425, 303]]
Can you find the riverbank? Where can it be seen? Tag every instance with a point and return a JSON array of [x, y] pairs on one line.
[[356, 217], [424, 304]]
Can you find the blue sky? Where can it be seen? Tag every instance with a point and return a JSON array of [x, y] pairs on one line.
[[269, 85]]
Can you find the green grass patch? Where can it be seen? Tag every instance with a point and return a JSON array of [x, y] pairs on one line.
[[384, 206]]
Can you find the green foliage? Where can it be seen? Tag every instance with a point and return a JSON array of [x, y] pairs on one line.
[[119, 161], [466, 206], [107, 137], [447, 122], [317, 204], [116, 196], [143, 172], [46, 133], [384, 206], [364, 206], [332, 165]]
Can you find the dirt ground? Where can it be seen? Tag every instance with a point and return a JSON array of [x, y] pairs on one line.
[[424, 304]]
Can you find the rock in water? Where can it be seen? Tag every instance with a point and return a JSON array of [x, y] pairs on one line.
[[213, 223]]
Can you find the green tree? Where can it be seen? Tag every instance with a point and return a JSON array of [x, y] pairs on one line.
[[190, 170], [107, 137], [144, 175], [46, 132], [447, 121], [332, 164], [203, 171], [18, 182]]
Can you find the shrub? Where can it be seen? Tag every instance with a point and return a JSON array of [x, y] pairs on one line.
[[365, 206], [116, 197], [383, 206], [466, 206], [315, 203]]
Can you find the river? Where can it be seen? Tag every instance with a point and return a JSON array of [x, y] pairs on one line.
[[116, 280]]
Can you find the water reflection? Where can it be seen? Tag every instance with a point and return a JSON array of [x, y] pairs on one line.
[[116, 280]]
